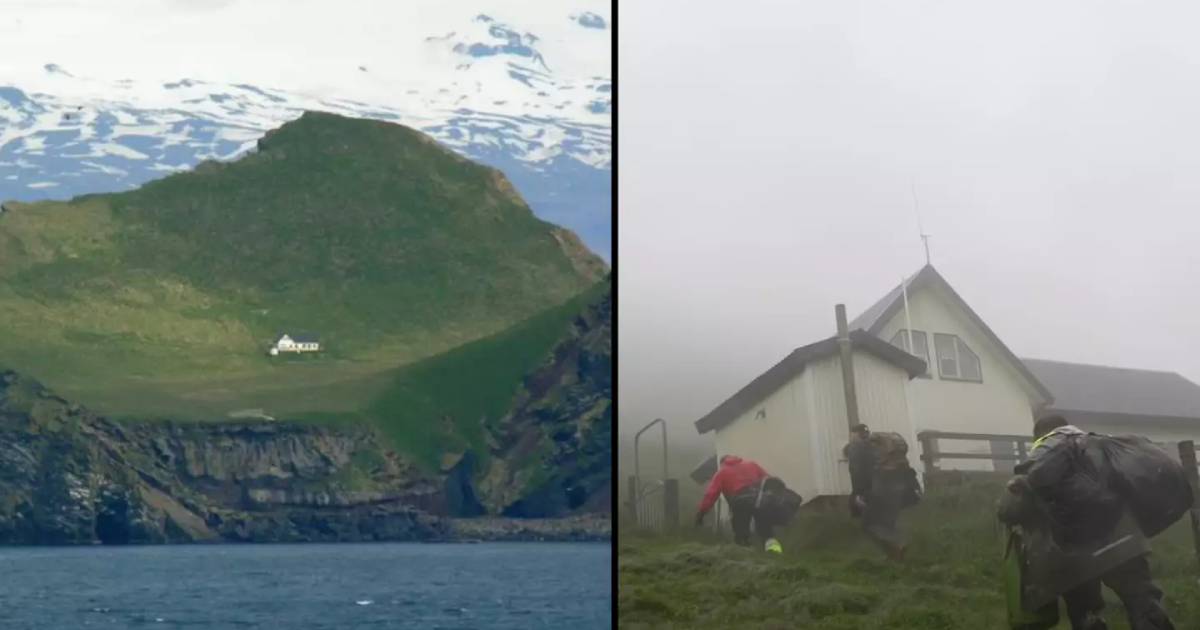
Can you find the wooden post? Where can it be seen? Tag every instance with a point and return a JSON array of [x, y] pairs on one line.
[[847, 355], [1187, 457], [670, 504], [928, 452]]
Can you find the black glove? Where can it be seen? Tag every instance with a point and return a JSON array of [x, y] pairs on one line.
[[699, 519]]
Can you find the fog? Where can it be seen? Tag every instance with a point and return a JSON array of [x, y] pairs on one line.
[[768, 153]]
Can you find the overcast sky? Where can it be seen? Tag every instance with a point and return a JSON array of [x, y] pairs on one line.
[[768, 149]]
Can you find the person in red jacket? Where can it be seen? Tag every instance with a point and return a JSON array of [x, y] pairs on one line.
[[749, 491]]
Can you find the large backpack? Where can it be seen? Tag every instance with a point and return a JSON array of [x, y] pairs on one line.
[[1151, 481], [891, 451], [891, 456], [782, 502], [1070, 478]]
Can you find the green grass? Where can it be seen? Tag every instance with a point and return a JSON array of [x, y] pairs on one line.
[[831, 577], [443, 403], [161, 301]]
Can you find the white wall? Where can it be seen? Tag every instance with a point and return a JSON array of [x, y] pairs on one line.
[[1000, 404], [779, 442], [805, 428], [882, 406], [828, 425], [883, 400]]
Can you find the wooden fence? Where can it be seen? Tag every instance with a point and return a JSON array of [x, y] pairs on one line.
[[931, 454]]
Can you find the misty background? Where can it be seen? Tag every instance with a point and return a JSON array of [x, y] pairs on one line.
[[769, 151]]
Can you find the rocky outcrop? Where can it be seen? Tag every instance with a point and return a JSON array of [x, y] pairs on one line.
[[582, 528], [70, 477], [551, 455]]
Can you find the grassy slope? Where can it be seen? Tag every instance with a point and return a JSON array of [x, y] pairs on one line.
[[439, 404], [160, 301], [830, 577]]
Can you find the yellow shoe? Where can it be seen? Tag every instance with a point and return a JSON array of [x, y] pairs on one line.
[[773, 546]]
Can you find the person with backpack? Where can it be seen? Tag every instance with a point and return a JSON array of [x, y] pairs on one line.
[[1086, 504], [752, 495], [882, 484]]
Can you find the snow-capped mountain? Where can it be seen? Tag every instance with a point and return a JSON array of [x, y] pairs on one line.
[[535, 105]]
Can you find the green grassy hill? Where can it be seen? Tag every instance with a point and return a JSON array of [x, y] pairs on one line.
[[830, 577], [161, 301], [445, 403]]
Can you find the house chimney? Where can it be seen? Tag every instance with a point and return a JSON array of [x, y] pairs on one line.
[[847, 356]]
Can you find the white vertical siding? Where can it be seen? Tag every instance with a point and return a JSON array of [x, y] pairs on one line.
[[830, 429], [882, 405], [800, 440], [882, 391], [779, 442]]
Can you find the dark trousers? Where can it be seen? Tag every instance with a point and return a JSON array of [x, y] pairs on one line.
[[882, 514], [742, 510], [1132, 583]]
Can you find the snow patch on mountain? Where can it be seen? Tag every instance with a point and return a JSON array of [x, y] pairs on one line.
[[485, 87]]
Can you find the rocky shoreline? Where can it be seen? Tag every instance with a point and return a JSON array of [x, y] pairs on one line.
[[582, 528]]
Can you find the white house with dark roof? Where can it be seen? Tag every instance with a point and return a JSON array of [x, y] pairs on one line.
[[295, 343], [969, 382]]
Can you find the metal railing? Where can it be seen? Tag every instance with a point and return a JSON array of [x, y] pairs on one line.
[[651, 513], [654, 503]]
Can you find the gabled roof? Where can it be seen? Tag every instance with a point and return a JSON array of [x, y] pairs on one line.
[[1109, 390], [872, 319], [793, 364], [880, 313]]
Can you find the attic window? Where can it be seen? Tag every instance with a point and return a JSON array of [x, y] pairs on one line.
[[920, 340], [955, 360]]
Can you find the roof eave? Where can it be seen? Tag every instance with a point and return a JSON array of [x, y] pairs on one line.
[[793, 365]]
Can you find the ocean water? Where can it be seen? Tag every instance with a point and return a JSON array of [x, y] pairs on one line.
[[306, 587]]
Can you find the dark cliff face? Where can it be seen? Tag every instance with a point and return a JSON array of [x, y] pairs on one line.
[[551, 455], [70, 477]]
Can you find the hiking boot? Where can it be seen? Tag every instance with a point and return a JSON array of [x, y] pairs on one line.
[[773, 546]]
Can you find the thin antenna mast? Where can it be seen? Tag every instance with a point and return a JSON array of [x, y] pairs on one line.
[[907, 317], [908, 398], [920, 225]]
